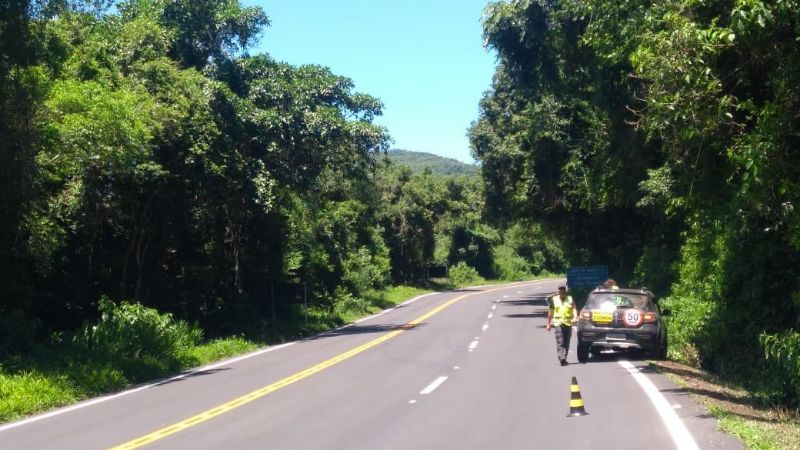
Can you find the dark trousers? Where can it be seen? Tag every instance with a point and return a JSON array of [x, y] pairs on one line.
[[563, 337]]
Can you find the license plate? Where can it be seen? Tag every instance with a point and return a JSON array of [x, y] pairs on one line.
[[615, 337], [602, 317]]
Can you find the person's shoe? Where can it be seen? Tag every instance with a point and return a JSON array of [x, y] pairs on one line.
[[563, 362]]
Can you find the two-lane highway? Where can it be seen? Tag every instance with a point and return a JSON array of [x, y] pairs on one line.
[[473, 369]]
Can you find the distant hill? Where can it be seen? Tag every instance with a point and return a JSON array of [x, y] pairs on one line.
[[418, 161]]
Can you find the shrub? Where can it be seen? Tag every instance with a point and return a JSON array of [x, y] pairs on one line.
[[462, 274], [783, 362], [366, 271], [687, 326], [141, 341], [95, 378], [347, 306], [508, 265]]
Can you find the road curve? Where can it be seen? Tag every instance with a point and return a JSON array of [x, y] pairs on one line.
[[472, 369]]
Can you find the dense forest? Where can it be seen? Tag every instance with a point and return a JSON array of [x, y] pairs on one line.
[[147, 156], [659, 138]]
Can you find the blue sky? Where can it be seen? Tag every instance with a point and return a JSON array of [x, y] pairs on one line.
[[424, 59]]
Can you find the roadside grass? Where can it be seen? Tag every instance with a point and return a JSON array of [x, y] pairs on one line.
[[219, 349], [757, 426], [398, 294], [33, 391], [37, 385]]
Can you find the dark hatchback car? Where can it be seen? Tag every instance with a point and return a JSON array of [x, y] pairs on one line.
[[621, 319]]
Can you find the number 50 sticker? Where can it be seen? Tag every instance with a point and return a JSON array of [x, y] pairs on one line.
[[633, 318]]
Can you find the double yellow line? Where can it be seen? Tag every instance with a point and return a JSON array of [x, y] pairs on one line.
[[254, 395]]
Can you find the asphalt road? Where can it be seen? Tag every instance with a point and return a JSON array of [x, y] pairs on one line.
[[473, 369]]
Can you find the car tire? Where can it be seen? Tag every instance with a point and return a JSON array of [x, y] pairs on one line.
[[583, 351], [661, 353]]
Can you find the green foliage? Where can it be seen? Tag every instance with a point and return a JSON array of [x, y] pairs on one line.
[[542, 252], [463, 274], [782, 351], [142, 342], [658, 138], [754, 436], [394, 295], [508, 265], [24, 393], [218, 349], [204, 30], [366, 271], [91, 377]]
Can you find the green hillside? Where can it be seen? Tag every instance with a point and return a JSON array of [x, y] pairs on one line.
[[438, 164]]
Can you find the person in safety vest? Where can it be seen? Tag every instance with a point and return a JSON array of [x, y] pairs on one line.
[[561, 315]]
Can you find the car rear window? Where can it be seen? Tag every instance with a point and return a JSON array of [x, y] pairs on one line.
[[611, 301]]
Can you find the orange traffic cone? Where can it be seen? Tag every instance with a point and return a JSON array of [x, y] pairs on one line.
[[576, 402]]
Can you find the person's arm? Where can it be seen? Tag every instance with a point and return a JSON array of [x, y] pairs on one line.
[[549, 318]]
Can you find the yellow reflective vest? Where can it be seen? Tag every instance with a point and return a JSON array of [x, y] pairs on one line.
[[562, 310]]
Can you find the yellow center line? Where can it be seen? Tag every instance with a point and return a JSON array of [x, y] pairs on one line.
[[254, 395]]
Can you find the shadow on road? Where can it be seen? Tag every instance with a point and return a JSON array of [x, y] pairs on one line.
[[533, 300], [527, 316], [364, 329], [188, 375]]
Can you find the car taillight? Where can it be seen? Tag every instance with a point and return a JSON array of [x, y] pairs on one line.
[[649, 317], [586, 315]]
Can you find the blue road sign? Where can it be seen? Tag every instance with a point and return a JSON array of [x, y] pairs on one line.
[[586, 276]]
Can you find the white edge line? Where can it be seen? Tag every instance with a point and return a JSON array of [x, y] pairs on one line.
[[432, 387], [677, 429]]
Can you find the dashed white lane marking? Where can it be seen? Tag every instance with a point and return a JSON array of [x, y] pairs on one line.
[[411, 402], [485, 327], [472, 345], [432, 387], [491, 315], [494, 307], [677, 406], [519, 292], [680, 434], [505, 296], [456, 367]]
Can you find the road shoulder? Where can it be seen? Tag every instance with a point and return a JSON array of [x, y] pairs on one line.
[[736, 413]]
